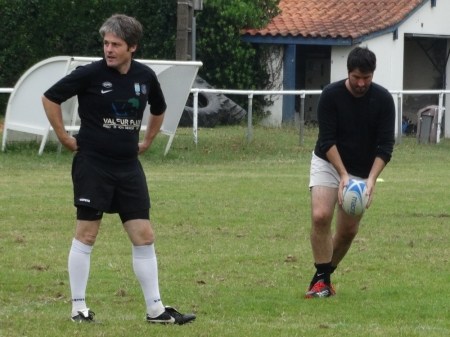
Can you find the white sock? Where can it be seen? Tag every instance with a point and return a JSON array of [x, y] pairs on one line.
[[146, 269], [79, 263]]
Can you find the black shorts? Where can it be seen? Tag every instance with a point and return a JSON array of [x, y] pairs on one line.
[[109, 191]]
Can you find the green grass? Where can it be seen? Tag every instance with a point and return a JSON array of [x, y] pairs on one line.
[[232, 222]]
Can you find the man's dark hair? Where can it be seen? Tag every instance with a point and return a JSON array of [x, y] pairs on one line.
[[363, 59]]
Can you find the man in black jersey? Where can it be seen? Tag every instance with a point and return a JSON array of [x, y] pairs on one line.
[[356, 139], [106, 173]]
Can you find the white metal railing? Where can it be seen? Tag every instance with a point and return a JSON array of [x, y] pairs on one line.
[[302, 94]]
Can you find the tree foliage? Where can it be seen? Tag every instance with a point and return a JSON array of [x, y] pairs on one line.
[[229, 61], [38, 29], [33, 30]]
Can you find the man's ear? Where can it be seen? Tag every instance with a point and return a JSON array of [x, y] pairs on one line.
[[132, 48]]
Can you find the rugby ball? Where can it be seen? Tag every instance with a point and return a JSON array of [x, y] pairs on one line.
[[355, 198]]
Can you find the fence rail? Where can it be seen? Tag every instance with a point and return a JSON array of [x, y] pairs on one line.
[[302, 94]]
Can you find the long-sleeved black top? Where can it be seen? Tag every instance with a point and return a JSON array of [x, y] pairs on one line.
[[361, 128]]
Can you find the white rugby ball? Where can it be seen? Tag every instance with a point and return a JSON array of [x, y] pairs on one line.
[[355, 198]]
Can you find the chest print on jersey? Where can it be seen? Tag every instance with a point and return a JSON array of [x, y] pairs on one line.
[[127, 108], [137, 89], [125, 112]]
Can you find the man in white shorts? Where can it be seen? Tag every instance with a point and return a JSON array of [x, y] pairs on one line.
[[356, 139]]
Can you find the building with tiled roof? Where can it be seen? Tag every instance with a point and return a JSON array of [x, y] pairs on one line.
[[343, 22], [314, 37]]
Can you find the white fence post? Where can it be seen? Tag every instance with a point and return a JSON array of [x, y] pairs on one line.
[[249, 117], [302, 118], [195, 117], [399, 118], [440, 113]]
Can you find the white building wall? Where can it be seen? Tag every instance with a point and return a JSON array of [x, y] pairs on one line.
[[389, 53], [429, 20], [447, 100], [275, 111], [339, 62]]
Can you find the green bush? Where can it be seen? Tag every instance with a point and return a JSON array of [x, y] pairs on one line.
[[229, 62], [33, 30]]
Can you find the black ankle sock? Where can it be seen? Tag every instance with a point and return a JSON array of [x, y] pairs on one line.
[[323, 271]]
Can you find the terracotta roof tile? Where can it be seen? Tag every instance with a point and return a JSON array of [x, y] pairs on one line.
[[335, 18]]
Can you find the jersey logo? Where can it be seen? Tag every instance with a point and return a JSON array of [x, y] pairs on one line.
[[105, 91], [107, 84], [137, 89]]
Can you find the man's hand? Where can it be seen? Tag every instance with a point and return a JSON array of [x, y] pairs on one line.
[[377, 167], [70, 143], [370, 188], [153, 127], [143, 146], [335, 160], [54, 115], [342, 184]]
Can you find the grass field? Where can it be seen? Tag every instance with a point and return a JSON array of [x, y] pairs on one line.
[[232, 222]]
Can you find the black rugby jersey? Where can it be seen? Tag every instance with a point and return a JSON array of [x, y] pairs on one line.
[[111, 106]]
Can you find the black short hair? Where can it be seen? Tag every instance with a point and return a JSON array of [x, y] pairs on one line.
[[363, 59]]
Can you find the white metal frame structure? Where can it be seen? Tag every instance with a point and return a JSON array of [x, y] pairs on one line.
[[25, 113]]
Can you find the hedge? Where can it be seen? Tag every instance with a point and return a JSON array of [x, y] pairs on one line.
[[33, 30]]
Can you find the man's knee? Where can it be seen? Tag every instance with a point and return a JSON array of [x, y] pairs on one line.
[[347, 233], [321, 219], [350, 232], [88, 222]]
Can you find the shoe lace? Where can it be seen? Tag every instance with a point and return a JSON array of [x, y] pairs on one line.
[[174, 313]]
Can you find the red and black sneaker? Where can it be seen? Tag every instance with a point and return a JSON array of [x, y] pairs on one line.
[[320, 289]]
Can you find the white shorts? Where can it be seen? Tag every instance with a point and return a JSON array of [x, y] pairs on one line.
[[323, 173]]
